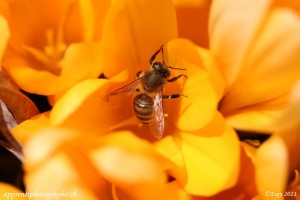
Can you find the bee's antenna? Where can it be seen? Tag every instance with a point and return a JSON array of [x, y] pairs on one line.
[[176, 68], [162, 53], [155, 54]]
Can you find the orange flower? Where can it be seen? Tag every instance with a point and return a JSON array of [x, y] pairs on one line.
[[258, 46], [204, 150], [50, 45], [116, 166]]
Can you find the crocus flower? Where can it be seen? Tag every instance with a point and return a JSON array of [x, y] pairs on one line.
[[196, 139], [50, 45], [257, 44], [202, 151]]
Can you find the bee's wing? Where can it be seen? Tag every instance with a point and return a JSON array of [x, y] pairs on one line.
[[123, 91], [157, 128]]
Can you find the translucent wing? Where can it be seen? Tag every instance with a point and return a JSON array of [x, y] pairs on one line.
[[157, 128], [123, 91]]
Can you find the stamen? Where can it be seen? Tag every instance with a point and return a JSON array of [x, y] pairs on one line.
[[114, 192]]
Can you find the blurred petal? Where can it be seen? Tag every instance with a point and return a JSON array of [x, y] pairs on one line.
[[216, 146], [233, 23], [76, 175], [192, 17], [37, 82], [10, 192], [272, 165], [27, 129], [276, 48], [188, 2], [4, 35], [88, 19], [289, 118], [256, 119], [203, 79], [133, 31], [141, 175], [81, 61]]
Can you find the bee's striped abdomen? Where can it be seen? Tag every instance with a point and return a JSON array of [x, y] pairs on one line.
[[143, 108]]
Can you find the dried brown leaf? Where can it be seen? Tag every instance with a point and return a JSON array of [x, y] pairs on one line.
[[15, 107], [19, 104]]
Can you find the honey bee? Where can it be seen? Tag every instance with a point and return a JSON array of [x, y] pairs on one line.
[[148, 87]]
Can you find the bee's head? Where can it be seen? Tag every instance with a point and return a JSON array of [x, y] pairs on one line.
[[161, 68]]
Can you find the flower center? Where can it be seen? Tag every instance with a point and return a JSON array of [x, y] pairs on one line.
[[51, 54]]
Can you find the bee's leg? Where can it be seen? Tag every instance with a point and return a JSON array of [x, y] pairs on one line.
[[155, 54], [176, 77], [173, 96]]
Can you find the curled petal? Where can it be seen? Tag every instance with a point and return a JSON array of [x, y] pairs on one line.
[[203, 85], [207, 159], [37, 83]]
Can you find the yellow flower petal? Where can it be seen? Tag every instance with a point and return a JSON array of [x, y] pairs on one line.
[[142, 174], [54, 137], [289, 118], [36, 51], [133, 31], [83, 106], [65, 150], [238, 24], [66, 179], [210, 157], [81, 61], [244, 189], [203, 86], [4, 35], [42, 83], [272, 166], [27, 129], [88, 18], [192, 20], [276, 48], [254, 119], [10, 192]]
